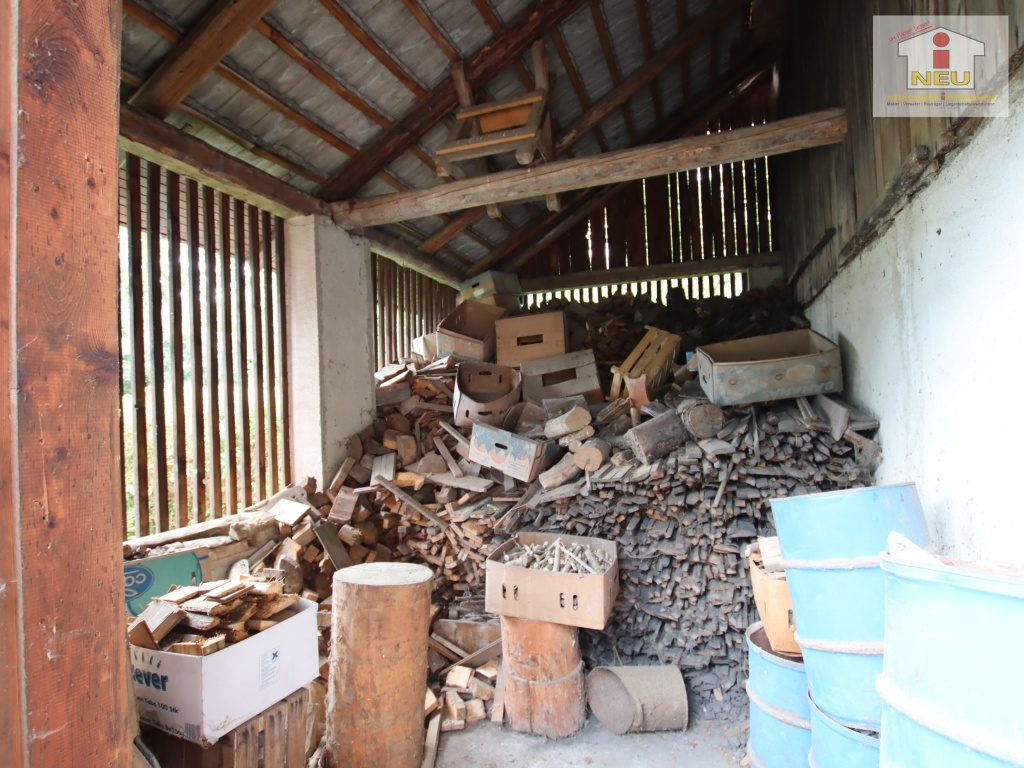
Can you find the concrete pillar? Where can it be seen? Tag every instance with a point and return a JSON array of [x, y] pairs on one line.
[[329, 296]]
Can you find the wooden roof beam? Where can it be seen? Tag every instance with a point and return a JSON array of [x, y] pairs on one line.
[[619, 96], [613, 68], [488, 62], [680, 269], [162, 143], [577, 82], [221, 27], [816, 129], [644, 22]]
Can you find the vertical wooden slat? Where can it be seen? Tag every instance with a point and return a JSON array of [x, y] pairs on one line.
[[137, 343], [271, 363], [636, 237], [157, 406], [279, 256], [211, 347], [658, 224], [196, 354], [177, 351], [375, 288], [255, 267], [764, 242], [616, 231], [241, 323], [391, 313], [750, 194], [225, 260]]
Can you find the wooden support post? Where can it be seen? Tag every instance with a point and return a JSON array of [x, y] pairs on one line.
[[544, 692], [63, 664], [379, 628]]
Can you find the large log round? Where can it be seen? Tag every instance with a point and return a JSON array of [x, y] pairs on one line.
[[379, 629], [543, 677]]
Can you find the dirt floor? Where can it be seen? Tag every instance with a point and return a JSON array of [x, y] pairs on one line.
[[485, 745]]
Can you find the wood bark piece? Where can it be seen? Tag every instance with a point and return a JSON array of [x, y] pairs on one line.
[[638, 699], [543, 678], [572, 421], [653, 439], [702, 420], [379, 627], [591, 455]]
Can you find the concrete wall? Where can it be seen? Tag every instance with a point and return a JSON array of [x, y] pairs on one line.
[[330, 342], [930, 319]]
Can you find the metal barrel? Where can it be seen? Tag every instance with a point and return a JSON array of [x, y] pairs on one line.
[[831, 544], [953, 666], [834, 745], [780, 725]]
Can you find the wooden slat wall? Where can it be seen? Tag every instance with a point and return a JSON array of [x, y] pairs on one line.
[[713, 213], [408, 305], [203, 355], [835, 187]]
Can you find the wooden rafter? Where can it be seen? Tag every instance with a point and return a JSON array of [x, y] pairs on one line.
[[613, 68], [576, 81], [162, 143], [435, 33], [648, 73], [492, 20], [816, 129], [220, 28], [343, 17], [532, 239], [644, 22], [481, 68]]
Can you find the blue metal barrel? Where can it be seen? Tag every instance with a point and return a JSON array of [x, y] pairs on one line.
[[780, 726], [953, 665], [831, 543], [833, 745]]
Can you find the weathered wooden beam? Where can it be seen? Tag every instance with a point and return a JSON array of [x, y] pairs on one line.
[[162, 143], [804, 132], [695, 31], [451, 230], [398, 251], [221, 27], [573, 280], [487, 63], [64, 683]]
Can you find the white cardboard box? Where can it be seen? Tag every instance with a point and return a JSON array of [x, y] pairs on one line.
[[201, 698]]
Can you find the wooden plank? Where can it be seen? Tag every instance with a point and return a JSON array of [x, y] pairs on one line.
[[231, 498], [163, 143], [242, 351], [137, 344], [282, 356], [221, 27], [211, 348], [272, 376], [652, 272], [429, 111], [196, 348], [259, 381], [409, 501], [61, 471], [176, 427], [156, 342]]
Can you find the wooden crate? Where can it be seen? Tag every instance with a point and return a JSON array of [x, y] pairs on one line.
[[562, 376], [647, 367], [275, 738]]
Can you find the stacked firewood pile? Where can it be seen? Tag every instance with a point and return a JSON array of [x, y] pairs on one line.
[[681, 523]]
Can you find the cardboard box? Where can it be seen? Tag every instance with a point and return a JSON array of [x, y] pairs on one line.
[[562, 376], [151, 577], [579, 600], [510, 301], [201, 698], [484, 392], [530, 337], [774, 606], [520, 457], [425, 346], [775, 367], [468, 332], [488, 284]]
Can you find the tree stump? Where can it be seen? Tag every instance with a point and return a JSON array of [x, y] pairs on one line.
[[379, 629], [543, 677]]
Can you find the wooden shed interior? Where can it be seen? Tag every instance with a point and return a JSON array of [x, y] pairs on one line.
[[159, 155]]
